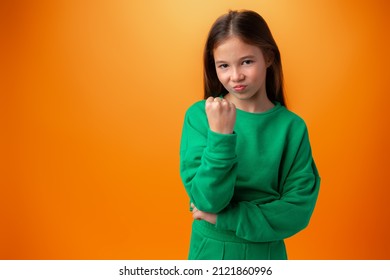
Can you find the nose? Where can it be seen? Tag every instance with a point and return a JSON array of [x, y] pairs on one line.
[[236, 75]]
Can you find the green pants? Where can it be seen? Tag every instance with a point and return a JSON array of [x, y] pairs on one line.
[[208, 243]]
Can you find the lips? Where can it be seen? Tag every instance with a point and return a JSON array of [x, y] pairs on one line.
[[239, 88]]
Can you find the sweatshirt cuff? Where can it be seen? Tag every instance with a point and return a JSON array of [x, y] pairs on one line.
[[223, 145], [226, 220]]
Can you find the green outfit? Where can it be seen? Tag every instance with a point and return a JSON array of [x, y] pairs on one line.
[[261, 181]]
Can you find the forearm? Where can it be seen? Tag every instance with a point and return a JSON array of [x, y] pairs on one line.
[[276, 220], [210, 177]]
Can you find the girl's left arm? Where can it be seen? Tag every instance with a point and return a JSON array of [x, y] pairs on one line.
[[284, 217]]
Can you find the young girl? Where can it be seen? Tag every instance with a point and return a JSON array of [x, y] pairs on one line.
[[245, 160]]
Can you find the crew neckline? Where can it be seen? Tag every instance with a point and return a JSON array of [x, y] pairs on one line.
[[276, 107]]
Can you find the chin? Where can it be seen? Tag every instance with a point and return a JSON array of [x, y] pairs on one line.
[[242, 96]]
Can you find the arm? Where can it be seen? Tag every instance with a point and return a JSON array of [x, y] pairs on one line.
[[287, 215], [207, 162]]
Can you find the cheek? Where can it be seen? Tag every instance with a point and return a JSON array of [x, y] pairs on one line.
[[258, 74], [223, 77]]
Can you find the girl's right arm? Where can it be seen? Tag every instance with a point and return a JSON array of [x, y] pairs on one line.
[[208, 161]]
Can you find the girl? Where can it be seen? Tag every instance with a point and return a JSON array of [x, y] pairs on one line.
[[245, 160]]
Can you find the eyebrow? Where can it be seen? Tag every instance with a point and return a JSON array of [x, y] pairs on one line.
[[242, 58]]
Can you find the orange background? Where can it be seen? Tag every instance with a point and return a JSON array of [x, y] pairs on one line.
[[92, 100]]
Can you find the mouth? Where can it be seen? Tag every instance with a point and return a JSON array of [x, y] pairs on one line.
[[239, 88]]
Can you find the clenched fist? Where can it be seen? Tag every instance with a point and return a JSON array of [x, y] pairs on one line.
[[221, 115]]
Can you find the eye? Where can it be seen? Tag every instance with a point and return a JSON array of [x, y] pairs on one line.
[[247, 62], [223, 66]]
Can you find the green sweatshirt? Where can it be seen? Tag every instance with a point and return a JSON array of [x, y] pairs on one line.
[[261, 180]]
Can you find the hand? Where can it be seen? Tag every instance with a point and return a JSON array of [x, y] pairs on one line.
[[221, 115], [200, 215]]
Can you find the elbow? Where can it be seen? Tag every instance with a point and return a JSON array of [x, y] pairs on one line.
[[211, 201], [212, 207], [304, 221], [298, 222]]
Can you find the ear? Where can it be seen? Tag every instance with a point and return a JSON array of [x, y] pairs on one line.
[[269, 58]]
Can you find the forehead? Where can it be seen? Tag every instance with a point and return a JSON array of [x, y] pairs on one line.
[[234, 47]]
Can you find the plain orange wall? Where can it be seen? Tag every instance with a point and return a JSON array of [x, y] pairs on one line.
[[92, 100]]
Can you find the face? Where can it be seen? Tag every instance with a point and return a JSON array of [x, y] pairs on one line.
[[241, 69]]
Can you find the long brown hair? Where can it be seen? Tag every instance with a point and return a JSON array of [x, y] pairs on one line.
[[251, 28]]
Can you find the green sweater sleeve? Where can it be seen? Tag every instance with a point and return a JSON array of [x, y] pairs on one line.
[[291, 212], [207, 163]]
